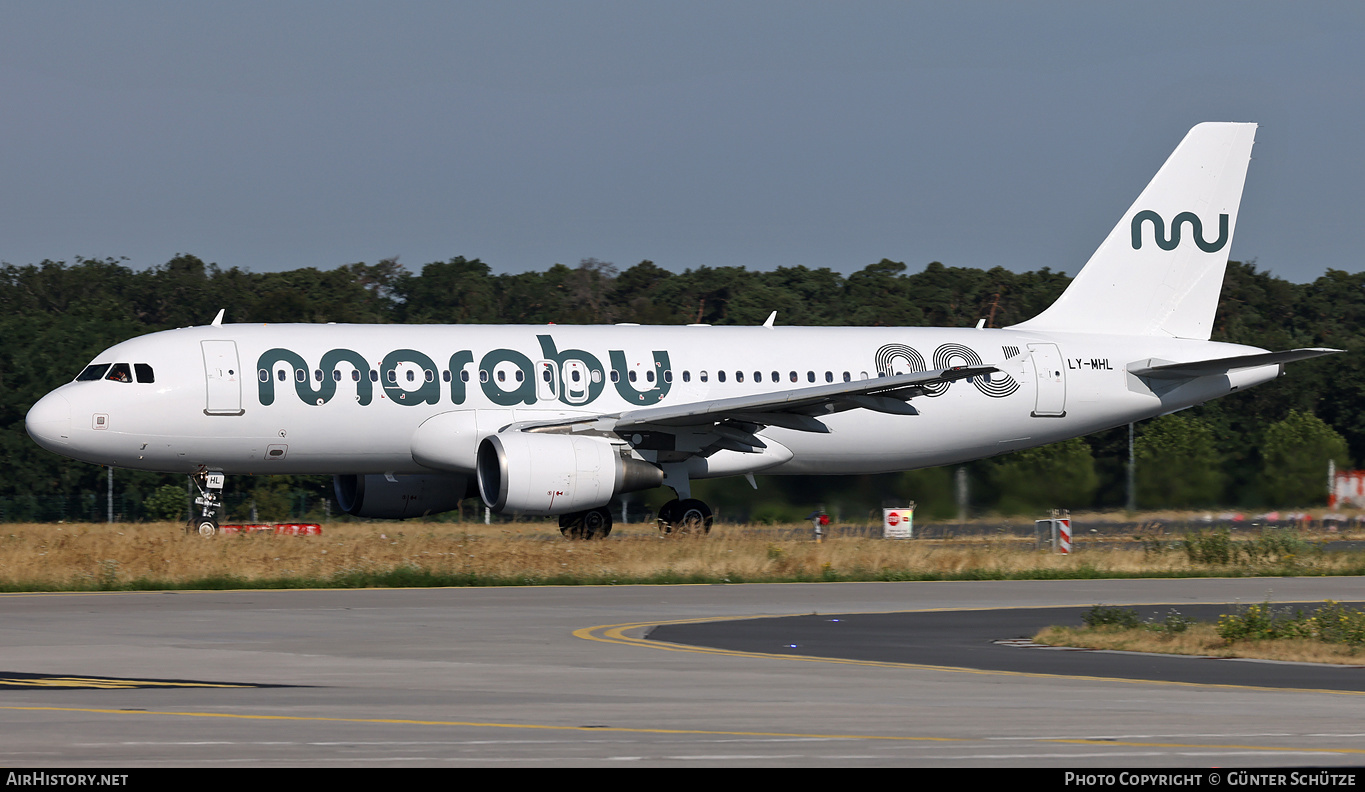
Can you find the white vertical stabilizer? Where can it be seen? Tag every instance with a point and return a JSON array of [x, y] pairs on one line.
[[1160, 271]]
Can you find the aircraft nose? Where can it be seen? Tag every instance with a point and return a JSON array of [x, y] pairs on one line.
[[49, 422]]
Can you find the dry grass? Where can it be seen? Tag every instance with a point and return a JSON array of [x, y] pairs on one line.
[[1203, 640], [161, 555]]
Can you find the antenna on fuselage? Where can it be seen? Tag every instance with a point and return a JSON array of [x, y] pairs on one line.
[[218, 320]]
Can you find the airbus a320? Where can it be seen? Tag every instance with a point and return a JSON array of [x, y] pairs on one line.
[[560, 420]]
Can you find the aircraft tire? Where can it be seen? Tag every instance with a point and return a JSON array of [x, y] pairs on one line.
[[693, 517], [591, 524], [668, 514], [206, 527]]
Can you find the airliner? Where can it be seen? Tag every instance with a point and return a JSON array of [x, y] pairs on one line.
[[561, 420]]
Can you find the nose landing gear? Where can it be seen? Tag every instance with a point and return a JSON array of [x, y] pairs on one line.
[[210, 503]]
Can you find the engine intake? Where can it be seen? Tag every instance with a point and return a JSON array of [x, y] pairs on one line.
[[544, 474]]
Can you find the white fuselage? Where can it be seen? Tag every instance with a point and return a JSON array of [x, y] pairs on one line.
[[347, 399]]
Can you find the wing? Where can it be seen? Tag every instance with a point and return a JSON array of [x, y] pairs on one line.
[[706, 426], [1156, 369]]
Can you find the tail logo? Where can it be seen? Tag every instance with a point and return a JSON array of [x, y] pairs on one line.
[[1196, 225]]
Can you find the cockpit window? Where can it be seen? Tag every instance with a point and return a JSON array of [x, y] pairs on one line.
[[120, 372], [144, 372], [93, 372]]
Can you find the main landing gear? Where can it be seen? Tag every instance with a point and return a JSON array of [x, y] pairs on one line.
[[590, 524], [210, 503], [685, 516]]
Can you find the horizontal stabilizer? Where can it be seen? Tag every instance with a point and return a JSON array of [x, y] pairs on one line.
[[1154, 369]]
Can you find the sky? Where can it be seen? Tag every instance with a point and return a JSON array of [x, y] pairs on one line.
[[757, 133]]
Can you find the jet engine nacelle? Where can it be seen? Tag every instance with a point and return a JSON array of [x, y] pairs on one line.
[[405, 496], [544, 474]]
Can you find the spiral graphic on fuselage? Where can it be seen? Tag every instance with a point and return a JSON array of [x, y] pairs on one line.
[[901, 359], [889, 354], [995, 385], [910, 362]]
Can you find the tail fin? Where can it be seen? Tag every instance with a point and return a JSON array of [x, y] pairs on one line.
[[1160, 271]]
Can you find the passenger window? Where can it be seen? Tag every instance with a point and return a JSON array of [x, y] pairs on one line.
[[720, 376], [264, 375], [703, 376], [93, 372], [355, 375], [829, 376], [631, 375], [483, 375], [280, 375], [615, 375], [793, 376], [668, 376], [520, 376], [430, 375], [464, 376], [546, 375], [739, 376], [317, 375], [687, 376], [777, 377], [120, 372], [758, 376], [810, 376], [411, 375], [848, 377], [336, 375], [374, 375], [502, 376], [649, 375]]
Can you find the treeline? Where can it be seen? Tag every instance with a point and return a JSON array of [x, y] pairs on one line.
[[1266, 447]]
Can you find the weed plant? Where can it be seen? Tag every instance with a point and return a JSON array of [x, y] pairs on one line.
[[1104, 617], [1121, 618], [1333, 633], [1278, 547], [1332, 623]]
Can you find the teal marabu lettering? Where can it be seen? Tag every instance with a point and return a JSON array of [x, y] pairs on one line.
[[457, 385], [628, 392], [1196, 226], [524, 393], [429, 391], [580, 376], [307, 393], [364, 389], [592, 377]]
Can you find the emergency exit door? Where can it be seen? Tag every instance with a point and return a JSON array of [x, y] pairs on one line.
[[1050, 374]]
